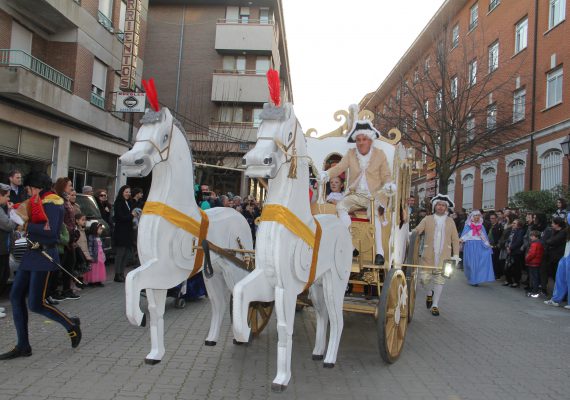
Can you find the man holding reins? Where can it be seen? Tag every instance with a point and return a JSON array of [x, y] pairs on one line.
[[368, 173]]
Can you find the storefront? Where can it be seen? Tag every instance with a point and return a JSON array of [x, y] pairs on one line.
[[91, 167]]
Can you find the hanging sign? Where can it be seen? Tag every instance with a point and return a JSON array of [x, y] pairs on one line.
[[130, 102], [131, 43]]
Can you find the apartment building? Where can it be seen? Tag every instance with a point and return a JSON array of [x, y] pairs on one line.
[[59, 72], [512, 54], [209, 60]]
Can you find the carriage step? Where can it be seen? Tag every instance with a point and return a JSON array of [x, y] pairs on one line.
[[359, 308]]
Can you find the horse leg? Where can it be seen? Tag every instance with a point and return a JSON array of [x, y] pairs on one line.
[[317, 297], [137, 280], [156, 300], [334, 288], [218, 295], [254, 287], [285, 302]]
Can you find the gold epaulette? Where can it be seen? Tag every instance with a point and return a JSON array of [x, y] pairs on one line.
[[52, 199]]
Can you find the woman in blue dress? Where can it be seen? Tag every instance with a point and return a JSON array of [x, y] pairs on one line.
[[477, 252]]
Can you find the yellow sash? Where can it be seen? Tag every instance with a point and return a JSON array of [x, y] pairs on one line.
[[183, 221], [283, 216]]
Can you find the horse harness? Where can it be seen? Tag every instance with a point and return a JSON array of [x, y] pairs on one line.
[[167, 149]]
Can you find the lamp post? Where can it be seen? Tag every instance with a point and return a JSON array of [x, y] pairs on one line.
[[566, 150]]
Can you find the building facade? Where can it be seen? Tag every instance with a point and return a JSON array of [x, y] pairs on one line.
[[209, 60], [511, 55], [60, 62]]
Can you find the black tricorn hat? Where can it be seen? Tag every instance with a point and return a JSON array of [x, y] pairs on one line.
[[39, 180], [363, 127]]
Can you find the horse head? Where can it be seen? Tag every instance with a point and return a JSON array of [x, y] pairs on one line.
[[152, 145], [277, 137]]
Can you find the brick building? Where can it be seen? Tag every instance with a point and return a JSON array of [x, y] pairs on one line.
[[209, 60], [512, 53], [59, 72]]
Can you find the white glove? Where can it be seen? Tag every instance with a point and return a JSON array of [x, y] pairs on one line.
[[323, 177], [389, 187], [456, 259]]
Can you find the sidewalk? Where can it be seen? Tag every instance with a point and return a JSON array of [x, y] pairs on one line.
[[490, 342]]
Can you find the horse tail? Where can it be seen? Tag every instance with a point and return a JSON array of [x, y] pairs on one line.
[[208, 270]]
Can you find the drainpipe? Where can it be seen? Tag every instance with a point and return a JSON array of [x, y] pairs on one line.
[[533, 102], [179, 59]]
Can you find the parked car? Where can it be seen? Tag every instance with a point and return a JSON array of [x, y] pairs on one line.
[[88, 206]]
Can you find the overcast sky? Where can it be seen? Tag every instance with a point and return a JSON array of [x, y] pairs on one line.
[[341, 50]]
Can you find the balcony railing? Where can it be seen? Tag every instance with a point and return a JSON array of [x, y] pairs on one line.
[[121, 36], [241, 71], [246, 21], [19, 58], [105, 21], [97, 100]]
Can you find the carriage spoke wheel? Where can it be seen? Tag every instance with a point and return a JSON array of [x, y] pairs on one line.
[[392, 314], [412, 281], [258, 316]]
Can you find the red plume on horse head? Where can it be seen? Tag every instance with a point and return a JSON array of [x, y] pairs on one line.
[[151, 94], [274, 87]]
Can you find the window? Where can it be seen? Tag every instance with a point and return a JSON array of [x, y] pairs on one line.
[[473, 16], [256, 116], [405, 125], [438, 99], [262, 65], [122, 14], [453, 88], [98, 83], [426, 109], [554, 87], [385, 110], [451, 189], [519, 100], [455, 36], [390, 103], [406, 87], [493, 57], [414, 119], [551, 171], [398, 95], [470, 128], [106, 8], [472, 72], [244, 15], [421, 196], [426, 65], [230, 114], [234, 64], [557, 11], [416, 76], [516, 177], [493, 4], [492, 116], [521, 34], [468, 192], [489, 183], [424, 153], [264, 15]]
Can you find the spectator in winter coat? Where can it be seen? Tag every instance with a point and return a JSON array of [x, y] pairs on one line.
[[533, 260], [554, 251], [515, 254], [494, 234]]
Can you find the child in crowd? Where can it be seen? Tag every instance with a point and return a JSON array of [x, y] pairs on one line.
[[98, 273], [532, 261], [82, 257]]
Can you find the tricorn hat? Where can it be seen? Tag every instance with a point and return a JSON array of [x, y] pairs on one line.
[[363, 127], [39, 180], [441, 198]]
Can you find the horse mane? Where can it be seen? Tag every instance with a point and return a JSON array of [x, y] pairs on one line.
[[153, 117]]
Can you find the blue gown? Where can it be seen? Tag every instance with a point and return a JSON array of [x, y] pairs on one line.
[[477, 258]]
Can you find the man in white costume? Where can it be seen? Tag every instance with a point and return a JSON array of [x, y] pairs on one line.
[[441, 241], [368, 173]]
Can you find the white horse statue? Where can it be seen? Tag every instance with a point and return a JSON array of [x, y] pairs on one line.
[[283, 259], [169, 226]]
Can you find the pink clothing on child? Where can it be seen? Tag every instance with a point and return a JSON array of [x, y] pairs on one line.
[[98, 272]]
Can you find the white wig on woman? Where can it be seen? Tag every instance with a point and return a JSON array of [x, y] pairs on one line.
[[442, 198]]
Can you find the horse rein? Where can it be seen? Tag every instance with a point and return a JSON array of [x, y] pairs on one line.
[[167, 149]]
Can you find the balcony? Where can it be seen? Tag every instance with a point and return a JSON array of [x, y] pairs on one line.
[[19, 58], [105, 21], [257, 37], [50, 15], [239, 86], [243, 131], [97, 100]]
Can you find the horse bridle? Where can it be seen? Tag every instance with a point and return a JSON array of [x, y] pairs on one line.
[[166, 149], [282, 147]]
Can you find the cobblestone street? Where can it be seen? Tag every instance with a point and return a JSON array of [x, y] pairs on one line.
[[490, 342]]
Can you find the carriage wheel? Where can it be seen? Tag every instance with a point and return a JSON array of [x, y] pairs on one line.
[[392, 314], [258, 316], [412, 281]]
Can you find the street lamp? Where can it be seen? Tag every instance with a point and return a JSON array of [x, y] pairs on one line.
[[566, 150]]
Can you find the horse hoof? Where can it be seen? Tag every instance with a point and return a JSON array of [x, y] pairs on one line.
[[150, 361], [276, 387], [317, 357], [143, 321], [328, 365], [210, 343]]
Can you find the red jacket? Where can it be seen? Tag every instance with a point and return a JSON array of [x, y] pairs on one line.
[[534, 255]]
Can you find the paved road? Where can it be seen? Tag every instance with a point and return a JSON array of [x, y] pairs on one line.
[[490, 342]]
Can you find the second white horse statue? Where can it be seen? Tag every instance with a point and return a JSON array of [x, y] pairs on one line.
[[169, 227], [285, 241]]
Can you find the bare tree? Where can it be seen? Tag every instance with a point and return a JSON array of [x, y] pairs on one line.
[[456, 108]]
